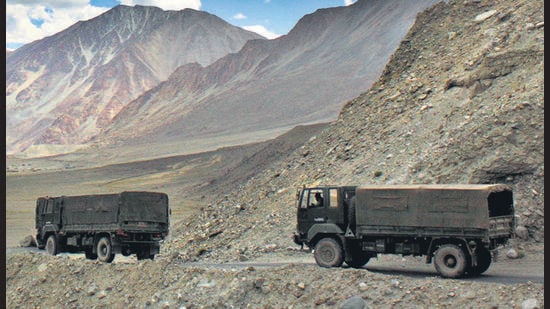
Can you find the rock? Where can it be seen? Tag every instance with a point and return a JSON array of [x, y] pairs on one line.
[[354, 302], [512, 254], [28, 241], [102, 294], [92, 289], [258, 283], [522, 232], [42, 267], [206, 284], [395, 283], [530, 303], [484, 16]]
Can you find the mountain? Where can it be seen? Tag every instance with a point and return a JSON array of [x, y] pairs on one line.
[[64, 89], [85, 95], [330, 56]]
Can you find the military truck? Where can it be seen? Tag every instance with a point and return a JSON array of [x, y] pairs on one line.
[[455, 226], [102, 225]]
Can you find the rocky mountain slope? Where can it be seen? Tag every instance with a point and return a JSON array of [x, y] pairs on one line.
[[267, 85], [66, 88], [329, 57], [461, 101]]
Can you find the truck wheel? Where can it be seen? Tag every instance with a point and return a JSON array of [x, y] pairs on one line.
[[40, 244], [358, 260], [450, 261], [329, 253], [144, 254], [105, 250], [52, 245], [90, 255], [355, 257], [483, 262]]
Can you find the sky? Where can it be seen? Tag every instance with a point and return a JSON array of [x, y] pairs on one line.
[[31, 20]]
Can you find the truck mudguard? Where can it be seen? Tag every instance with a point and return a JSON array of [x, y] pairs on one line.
[[324, 228]]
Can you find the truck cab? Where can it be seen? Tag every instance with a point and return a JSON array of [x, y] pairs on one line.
[[48, 217], [323, 208]]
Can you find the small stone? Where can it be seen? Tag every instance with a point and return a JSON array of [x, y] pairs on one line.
[[92, 289], [28, 241], [530, 303], [512, 254], [522, 232], [484, 16], [354, 302], [395, 283], [42, 267], [258, 283]]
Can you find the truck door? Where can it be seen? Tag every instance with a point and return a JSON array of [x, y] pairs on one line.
[[48, 213], [40, 210], [318, 205]]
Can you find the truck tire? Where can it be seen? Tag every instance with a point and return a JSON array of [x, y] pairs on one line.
[[483, 262], [358, 260], [52, 246], [355, 257], [105, 250], [450, 261], [40, 244], [90, 255], [144, 254], [329, 253]]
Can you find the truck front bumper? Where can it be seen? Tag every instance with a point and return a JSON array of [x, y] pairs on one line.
[[299, 239]]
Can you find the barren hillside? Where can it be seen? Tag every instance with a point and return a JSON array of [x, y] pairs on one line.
[[461, 101]]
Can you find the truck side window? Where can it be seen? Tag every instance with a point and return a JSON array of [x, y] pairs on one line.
[[316, 198], [49, 207], [333, 198]]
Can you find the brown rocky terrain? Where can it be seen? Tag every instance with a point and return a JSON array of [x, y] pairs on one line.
[[461, 101]]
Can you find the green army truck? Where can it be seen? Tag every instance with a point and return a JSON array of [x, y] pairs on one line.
[[102, 225], [455, 226]]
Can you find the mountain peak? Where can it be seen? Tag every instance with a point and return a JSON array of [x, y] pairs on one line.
[[65, 88]]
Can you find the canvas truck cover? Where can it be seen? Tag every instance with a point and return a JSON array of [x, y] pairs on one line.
[[105, 209], [144, 206], [434, 206], [89, 209]]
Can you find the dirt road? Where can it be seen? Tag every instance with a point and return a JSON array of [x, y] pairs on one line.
[[529, 268]]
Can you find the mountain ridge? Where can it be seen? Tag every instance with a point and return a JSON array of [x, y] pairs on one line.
[[63, 89], [266, 84], [305, 64]]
